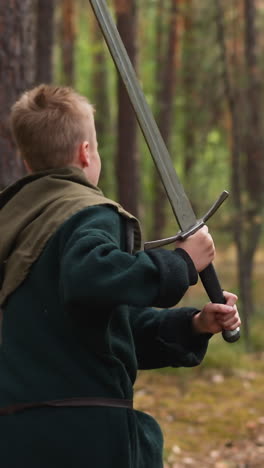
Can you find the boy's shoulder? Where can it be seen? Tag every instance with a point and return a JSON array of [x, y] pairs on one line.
[[103, 221], [56, 200]]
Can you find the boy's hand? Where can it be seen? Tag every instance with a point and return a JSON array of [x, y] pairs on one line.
[[214, 318], [200, 247]]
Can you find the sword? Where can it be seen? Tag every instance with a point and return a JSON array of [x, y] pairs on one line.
[[178, 199]]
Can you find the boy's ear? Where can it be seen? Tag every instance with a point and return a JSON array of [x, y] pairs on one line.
[[84, 157]]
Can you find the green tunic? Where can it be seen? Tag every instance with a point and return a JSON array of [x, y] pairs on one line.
[[80, 324]]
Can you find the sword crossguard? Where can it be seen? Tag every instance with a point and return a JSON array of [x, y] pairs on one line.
[[181, 235]]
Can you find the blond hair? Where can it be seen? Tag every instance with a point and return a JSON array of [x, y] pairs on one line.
[[48, 122]]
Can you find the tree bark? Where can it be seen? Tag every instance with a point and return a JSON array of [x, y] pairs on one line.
[[254, 143], [44, 41], [254, 137], [189, 77], [236, 170], [17, 45], [127, 154], [99, 79], [67, 41], [166, 77], [247, 157]]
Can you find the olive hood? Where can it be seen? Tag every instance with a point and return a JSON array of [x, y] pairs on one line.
[[32, 209]]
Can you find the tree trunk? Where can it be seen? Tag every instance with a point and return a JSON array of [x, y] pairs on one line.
[[254, 137], [166, 77], [127, 153], [189, 75], [254, 147], [236, 178], [44, 41], [17, 45], [247, 172], [99, 79], [67, 41]]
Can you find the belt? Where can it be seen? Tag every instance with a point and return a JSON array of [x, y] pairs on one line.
[[68, 402]]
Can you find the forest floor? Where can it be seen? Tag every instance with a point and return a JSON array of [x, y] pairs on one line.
[[208, 418]]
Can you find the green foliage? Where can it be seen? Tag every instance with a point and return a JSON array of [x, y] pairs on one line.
[[210, 173], [84, 51], [202, 108]]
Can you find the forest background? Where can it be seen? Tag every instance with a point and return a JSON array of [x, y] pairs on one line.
[[200, 64]]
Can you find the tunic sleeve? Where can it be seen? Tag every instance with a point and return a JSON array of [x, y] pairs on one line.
[[95, 271], [166, 338]]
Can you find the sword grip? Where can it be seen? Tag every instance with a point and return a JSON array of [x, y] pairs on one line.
[[212, 286]]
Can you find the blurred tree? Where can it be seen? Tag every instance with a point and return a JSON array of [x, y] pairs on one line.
[[67, 41], [166, 48], [189, 77], [244, 97], [17, 45], [100, 95], [127, 165], [44, 40]]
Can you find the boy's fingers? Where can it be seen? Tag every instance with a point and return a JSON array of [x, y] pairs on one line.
[[224, 309], [231, 301], [230, 320], [228, 310], [231, 298], [204, 229], [232, 326]]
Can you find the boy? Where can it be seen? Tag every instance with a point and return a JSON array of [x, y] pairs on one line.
[[78, 300]]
